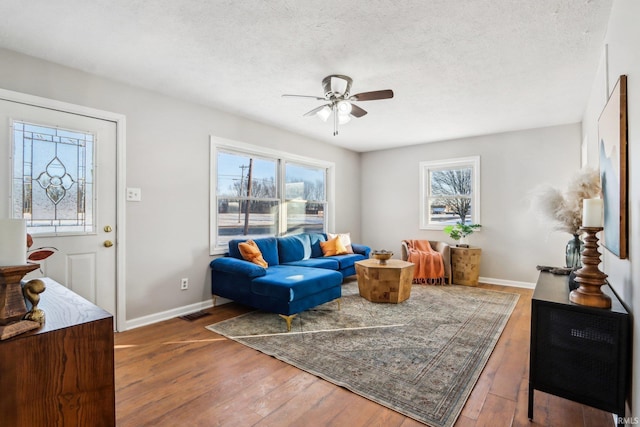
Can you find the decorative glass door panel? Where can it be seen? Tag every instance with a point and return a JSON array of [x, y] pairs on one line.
[[53, 185]]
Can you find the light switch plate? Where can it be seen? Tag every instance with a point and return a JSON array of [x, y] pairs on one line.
[[134, 194]]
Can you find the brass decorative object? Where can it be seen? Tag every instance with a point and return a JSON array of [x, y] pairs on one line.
[[32, 290], [12, 305], [589, 277], [382, 256]]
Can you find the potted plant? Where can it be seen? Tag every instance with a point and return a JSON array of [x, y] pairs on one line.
[[460, 231]]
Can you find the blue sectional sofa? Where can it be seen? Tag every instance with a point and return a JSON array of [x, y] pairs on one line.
[[298, 276]]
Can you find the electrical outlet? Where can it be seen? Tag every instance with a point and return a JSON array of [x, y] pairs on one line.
[[184, 284], [134, 194]]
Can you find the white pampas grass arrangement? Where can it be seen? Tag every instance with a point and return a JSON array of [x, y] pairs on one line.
[[563, 210]]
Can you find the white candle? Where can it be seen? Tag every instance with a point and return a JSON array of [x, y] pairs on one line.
[[13, 242], [592, 213]]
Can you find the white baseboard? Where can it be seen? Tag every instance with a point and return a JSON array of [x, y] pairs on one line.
[[187, 309], [501, 282], [166, 315]]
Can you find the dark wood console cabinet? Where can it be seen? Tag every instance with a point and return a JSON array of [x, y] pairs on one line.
[[577, 352], [63, 373]]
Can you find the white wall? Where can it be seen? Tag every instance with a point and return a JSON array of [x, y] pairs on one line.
[[623, 41], [512, 239], [168, 158]]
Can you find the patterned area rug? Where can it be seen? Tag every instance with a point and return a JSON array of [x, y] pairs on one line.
[[421, 357]]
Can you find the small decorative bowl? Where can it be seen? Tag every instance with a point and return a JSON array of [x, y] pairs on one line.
[[382, 256]]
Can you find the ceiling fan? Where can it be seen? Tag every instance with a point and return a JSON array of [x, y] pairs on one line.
[[337, 93]]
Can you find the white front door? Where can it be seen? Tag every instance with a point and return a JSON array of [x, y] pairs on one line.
[[60, 174]]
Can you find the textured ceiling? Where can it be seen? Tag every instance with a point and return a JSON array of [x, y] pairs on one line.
[[458, 68]]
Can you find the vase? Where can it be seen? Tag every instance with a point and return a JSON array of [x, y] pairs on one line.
[[574, 250]]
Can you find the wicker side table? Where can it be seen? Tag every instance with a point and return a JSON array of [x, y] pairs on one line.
[[465, 265]]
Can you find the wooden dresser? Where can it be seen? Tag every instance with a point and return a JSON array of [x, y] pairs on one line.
[[63, 373]]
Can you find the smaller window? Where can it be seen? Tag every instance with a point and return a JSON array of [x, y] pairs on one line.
[[449, 192]]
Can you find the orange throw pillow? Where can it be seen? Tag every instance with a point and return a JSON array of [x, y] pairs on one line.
[[345, 239], [250, 252], [333, 247]]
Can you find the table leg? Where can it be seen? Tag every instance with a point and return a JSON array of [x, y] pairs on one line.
[[530, 408]]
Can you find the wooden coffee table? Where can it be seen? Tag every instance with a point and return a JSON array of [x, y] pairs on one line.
[[390, 282]]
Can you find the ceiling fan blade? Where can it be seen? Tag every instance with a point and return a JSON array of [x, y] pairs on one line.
[[305, 96], [372, 96], [315, 110], [357, 111]]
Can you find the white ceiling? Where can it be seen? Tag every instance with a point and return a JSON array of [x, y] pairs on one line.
[[458, 68]]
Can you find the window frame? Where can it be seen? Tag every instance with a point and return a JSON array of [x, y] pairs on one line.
[[426, 167], [218, 144]]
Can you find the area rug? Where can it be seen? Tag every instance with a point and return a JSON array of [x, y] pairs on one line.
[[421, 357]]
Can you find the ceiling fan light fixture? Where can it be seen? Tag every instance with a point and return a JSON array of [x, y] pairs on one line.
[[344, 107], [324, 113], [336, 84], [337, 95], [344, 118]]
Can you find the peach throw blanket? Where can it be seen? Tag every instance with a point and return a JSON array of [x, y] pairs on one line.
[[429, 267]]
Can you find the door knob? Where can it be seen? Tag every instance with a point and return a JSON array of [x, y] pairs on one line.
[[108, 243], [107, 229]]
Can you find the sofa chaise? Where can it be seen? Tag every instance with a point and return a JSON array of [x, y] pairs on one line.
[[298, 276]]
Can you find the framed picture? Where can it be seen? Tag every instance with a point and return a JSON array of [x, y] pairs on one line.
[[612, 137]]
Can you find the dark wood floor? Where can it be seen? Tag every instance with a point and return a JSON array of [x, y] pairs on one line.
[[177, 373]]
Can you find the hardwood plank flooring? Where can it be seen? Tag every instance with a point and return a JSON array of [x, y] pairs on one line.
[[176, 373]]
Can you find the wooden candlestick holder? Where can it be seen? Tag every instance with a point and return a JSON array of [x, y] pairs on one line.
[[589, 277], [12, 305]]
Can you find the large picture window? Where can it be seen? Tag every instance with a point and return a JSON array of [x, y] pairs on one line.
[[261, 192], [449, 192]]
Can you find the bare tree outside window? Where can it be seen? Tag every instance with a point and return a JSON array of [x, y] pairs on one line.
[[452, 189], [260, 187]]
